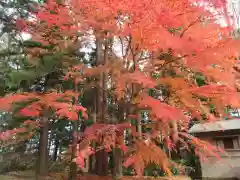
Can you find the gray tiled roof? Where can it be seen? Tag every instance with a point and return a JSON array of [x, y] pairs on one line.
[[233, 124]]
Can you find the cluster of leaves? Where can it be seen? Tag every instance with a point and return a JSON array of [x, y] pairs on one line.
[[36, 105]]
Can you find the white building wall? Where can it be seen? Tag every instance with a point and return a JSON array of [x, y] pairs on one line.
[[226, 167]]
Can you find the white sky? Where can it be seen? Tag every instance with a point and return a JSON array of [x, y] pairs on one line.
[[234, 10]]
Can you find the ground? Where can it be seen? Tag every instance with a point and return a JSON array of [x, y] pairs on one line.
[[30, 175]]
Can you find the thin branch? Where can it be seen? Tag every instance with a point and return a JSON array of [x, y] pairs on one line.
[[190, 25], [122, 46], [173, 60]]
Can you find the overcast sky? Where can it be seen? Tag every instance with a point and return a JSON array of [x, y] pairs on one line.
[[234, 9]]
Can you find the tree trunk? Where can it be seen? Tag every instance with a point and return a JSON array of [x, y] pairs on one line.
[[92, 159], [42, 169], [101, 163], [117, 161], [101, 166], [73, 166], [55, 153], [50, 140], [117, 153]]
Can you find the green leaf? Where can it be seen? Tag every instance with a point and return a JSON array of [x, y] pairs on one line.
[[17, 76], [89, 122], [30, 43], [200, 79], [133, 122]]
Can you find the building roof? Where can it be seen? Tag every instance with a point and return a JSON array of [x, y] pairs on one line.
[[223, 125]]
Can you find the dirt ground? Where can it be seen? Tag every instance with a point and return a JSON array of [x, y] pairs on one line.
[[30, 175]]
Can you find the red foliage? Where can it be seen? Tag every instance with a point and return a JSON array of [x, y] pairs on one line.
[[160, 110], [107, 135], [82, 154], [25, 127], [6, 102], [204, 149], [29, 112], [45, 101], [21, 25], [124, 148]]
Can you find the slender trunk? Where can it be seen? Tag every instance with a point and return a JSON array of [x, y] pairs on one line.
[[96, 107], [139, 125], [50, 140], [55, 153], [117, 161], [73, 166], [135, 90], [117, 153], [60, 150], [102, 156], [104, 84], [102, 163], [42, 169], [92, 159]]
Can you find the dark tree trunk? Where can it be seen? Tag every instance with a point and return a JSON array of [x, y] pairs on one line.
[[117, 161], [101, 165], [117, 153], [42, 169], [92, 159], [75, 139], [73, 166]]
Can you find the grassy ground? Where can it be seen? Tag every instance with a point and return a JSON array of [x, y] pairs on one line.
[[5, 177], [21, 175]]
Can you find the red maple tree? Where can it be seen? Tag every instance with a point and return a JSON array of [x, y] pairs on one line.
[[146, 30]]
